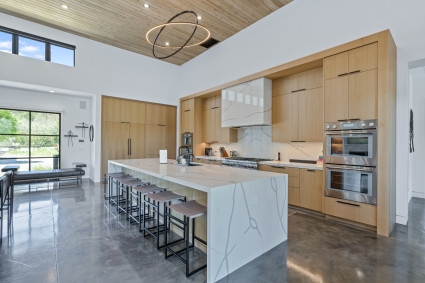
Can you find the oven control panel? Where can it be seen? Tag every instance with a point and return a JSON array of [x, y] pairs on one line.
[[351, 125]]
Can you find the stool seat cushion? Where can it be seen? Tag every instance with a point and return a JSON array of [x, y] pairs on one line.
[[118, 174], [149, 189], [165, 196], [136, 182], [190, 209]]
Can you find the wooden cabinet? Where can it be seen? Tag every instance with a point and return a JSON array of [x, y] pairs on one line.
[[351, 84], [187, 121], [127, 134], [310, 119], [211, 120], [311, 189], [350, 210], [297, 107], [208, 161], [360, 59], [302, 81], [285, 117]]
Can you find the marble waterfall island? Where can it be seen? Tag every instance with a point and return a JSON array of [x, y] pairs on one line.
[[247, 209]]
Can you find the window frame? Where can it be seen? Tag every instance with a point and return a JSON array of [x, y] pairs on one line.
[[48, 42], [29, 135]]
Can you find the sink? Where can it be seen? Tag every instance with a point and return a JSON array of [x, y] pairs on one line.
[[190, 164]]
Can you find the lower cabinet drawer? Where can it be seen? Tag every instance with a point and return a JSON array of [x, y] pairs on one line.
[[294, 196], [350, 210], [214, 162], [200, 160], [293, 173]]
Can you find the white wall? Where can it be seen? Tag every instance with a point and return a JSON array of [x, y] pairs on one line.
[[305, 27], [71, 114], [100, 69], [418, 100]]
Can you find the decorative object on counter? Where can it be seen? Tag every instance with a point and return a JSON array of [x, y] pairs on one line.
[[70, 135], [278, 156], [412, 145], [163, 156], [83, 126], [91, 133], [320, 160], [223, 152], [170, 23], [233, 153], [208, 151]]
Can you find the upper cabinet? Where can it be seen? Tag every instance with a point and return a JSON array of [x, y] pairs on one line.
[[297, 113], [160, 115], [211, 118], [187, 121], [351, 84], [122, 110]]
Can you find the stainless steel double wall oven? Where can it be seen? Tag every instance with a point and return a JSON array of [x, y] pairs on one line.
[[350, 156]]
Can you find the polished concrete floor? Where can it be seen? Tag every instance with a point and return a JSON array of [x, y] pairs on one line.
[[70, 235]]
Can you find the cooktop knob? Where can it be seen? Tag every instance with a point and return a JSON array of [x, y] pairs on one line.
[[328, 127], [334, 126], [362, 125], [371, 124]]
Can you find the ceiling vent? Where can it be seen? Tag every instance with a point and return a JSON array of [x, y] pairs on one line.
[[210, 42]]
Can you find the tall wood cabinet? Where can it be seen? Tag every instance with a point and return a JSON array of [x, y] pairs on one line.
[[211, 118], [297, 107], [351, 84], [135, 129]]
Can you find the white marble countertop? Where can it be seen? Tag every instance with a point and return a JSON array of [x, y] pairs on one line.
[[210, 157], [203, 177], [293, 164]]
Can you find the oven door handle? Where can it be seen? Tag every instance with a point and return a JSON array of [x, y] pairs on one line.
[[349, 132], [350, 168]]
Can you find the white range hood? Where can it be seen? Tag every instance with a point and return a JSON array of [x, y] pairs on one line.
[[247, 104]]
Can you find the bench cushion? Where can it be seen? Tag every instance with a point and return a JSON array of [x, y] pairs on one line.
[[47, 174]]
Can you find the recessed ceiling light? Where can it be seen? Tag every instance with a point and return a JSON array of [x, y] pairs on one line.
[[51, 91], [199, 18], [167, 43], [63, 6], [146, 5]]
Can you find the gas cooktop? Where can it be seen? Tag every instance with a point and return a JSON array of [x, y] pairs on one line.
[[252, 159], [243, 162]]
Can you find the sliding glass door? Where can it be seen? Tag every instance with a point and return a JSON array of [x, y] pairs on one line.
[[30, 139]]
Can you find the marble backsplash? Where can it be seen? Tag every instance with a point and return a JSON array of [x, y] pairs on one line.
[[257, 142]]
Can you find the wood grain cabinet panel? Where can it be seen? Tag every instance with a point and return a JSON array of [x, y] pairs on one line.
[[187, 116], [350, 210], [363, 95], [335, 65], [294, 196], [364, 58], [137, 141], [285, 85], [336, 99], [311, 189], [113, 109], [285, 118], [135, 112], [311, 115], [310, 79], [115, 143]]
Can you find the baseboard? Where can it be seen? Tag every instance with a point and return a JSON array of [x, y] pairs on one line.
[[401, 219]]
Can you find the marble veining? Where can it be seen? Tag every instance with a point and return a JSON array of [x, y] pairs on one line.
[[257, 142]]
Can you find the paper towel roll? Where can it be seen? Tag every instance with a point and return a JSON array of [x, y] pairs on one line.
[[163, 156]]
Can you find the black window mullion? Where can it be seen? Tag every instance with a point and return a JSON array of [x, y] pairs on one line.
[[15, 44], [47, 49], [29, 143]]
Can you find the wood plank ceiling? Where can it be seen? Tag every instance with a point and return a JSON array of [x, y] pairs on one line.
[[124, 23]]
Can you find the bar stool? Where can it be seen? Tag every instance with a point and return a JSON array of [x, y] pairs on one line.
[[110, 182], [137, 193], [165, 198], [124, 188], [118, 180], [189, 210]]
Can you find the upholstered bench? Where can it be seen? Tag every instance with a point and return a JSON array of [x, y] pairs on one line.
[[48, 175]]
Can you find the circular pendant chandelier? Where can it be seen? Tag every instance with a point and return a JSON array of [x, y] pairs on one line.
[[170, 23]]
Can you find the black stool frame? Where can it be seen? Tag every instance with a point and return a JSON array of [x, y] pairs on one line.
[[186, 221]]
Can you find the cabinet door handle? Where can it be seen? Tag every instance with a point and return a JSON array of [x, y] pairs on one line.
[[343, 202], [128, 146], [344, 74], [186, 110], [278, 167], [311, 170], [298, 90], [161, 125], [297, 141], [354, 72], [215, 107]]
